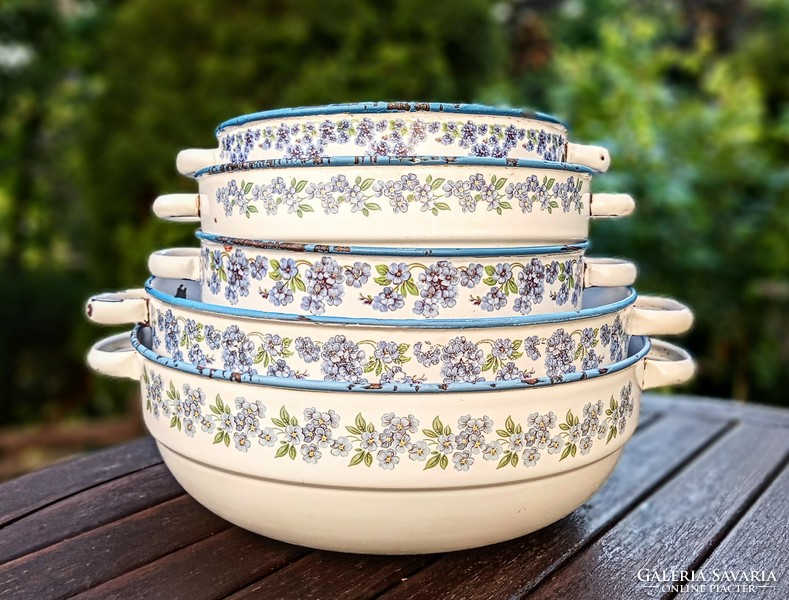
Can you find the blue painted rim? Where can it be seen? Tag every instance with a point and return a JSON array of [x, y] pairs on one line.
[[389, 108], [392, 161], [341, 386], [581, 246], [606, 309]]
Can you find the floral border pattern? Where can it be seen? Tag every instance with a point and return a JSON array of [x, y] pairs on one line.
[[340, 358], [397, 439], [322, 284], [430, 195], [390, 137]]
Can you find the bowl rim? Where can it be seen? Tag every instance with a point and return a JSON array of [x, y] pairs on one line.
[[416, 324], [421, 388], [580, 245], [391, 161], [388, 108]]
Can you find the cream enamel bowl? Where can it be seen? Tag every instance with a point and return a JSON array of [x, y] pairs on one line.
[[393, 129], [389, 472], [401, 202], [363, 352], [393, 283]]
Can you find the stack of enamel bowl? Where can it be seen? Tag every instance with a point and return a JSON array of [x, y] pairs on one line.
[[390, 339]]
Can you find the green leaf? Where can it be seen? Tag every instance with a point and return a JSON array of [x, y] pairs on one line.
[[357, 458], [500, 182], [360, 422], [293, 421], [366, 184], [564, 426], [509, 425], [444, 461], [292, 453], [372, 206], [518, 428], [278, 423], [511, 287], [565, 453], [219, 437], [505, 460], [353, 430], [306, 208], [300, 186], [173, 421], [411, 287], [573, 448], [514, 460], [505, 204], [438, 426], [517, 344], [489, 280], [282, 451], [430, 433], [442, 206], [611, 434], [489, 363], [252, 208], [365, 212], [382, 280], [550, 183], [447, 430], [489, 270], [226, 439], [502, 433], [368, 459], [434, 211], [382, 269], [569, 417], [299, 283], [554, 204], [432, 462], [247, 187], [370, 427], [437, 183]]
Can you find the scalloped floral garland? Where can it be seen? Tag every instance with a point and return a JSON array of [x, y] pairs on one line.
[[369, 195], [390, 137], [322, 283], [245, 423], [340, 358]]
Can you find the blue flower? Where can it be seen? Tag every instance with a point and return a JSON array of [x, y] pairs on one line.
[[280, 294], [388, 300]]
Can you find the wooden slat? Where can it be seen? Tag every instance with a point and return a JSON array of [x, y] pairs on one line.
[[79, 563], [26, 494], [735, 410], [681, 522], [212, 568], [87, 510], [512, 568], [334, 575], [760, 541]]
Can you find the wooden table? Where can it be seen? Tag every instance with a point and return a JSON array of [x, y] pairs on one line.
[[703, 486]]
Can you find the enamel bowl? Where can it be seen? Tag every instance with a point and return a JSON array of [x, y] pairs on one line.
[[385, 201], [393, 283], [393, 129], [389, 472], [378, 352]]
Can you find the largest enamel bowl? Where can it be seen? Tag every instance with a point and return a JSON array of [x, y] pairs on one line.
[[390, 473], [364, 352], [393, 129], [463, 202]]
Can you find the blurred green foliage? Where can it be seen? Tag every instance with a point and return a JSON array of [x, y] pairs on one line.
[[96, 98]]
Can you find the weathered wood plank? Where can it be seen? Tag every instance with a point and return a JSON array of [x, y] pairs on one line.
[[760, 541], [79, 563], [512, 568], [681, 522], [28, 493], [87, 510], [334, 575], [746, 412], [211, 568]]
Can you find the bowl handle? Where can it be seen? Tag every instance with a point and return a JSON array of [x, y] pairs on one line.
[[176, 263], [603, 206], [608, 272], [119, 308], [114, 356], [178, 207], [666, 364], [594, 157], [653, 315], [192, 160]]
